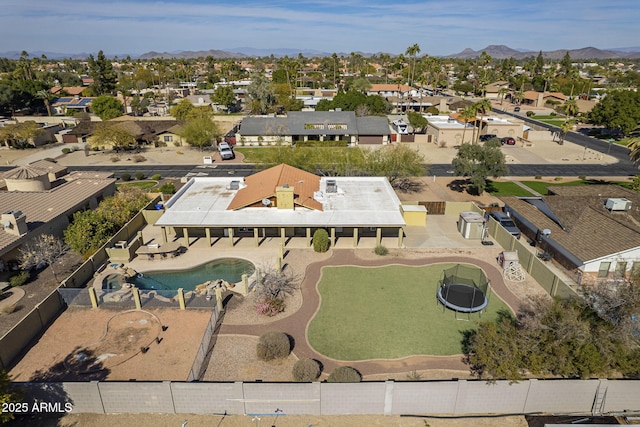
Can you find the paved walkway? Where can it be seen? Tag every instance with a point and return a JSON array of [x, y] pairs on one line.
[[296, 324]]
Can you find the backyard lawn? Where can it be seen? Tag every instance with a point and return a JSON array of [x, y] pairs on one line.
[[509, 188], [143, 185], [387, 313]]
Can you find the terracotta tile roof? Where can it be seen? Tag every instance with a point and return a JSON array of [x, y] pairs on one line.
[[389, 88], [262, 185]]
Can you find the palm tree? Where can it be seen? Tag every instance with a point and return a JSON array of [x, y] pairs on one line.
[[412, 51], [634, 150], [46, 96], [467, 114], [483, 106], [501, 93]]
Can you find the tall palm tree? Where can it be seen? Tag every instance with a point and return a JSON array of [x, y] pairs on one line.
[[46, 96], [412, 51], [483, 106], [467, 114], [634, 150]]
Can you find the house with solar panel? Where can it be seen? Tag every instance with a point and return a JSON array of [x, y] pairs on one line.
[[591, 231], [305, 126], [66, 104]]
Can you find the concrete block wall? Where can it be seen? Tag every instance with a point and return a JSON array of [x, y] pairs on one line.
[[561, 396], [418, 398], [135, 397], [290, 398], [352, 398], [208, 398]]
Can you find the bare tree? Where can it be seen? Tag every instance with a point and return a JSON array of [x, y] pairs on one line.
[[43, 250], [618, 305], [274, 283]]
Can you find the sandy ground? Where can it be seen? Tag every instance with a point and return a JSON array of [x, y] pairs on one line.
[[119, 346]]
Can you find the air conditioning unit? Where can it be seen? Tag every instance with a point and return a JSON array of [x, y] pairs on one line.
[[332, 186], [234, 185], [121, 244], [618, 204]]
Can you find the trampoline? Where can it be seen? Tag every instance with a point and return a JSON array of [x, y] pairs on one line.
[[464, 289]]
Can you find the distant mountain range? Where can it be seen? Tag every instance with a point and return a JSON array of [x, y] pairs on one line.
[[502, 51], [495, 51]]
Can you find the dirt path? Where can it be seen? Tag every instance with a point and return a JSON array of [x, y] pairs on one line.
[[296, 324]]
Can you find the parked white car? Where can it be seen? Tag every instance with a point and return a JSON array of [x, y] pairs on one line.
[[226, 153]]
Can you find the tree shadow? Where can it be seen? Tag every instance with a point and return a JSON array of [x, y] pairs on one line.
[[292, 342], [458, 185], [45, 395]]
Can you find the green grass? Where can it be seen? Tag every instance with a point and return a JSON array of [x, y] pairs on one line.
[[387, 312], [143, 185], [507, 188]]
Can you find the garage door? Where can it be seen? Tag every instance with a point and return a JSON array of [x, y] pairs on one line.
[[370, 139]]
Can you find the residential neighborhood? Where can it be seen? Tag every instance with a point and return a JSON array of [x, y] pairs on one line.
[[330, 235]]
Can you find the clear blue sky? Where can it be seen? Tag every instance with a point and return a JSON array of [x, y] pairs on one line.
[[439, 27]]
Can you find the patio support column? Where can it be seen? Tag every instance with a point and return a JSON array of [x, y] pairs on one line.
[[332, 238], [230, 229], [207, 232], [308, 237], [282, 236], [400, 236], [355, 237], [164, 234], [378, 236], [256, 236], [185, 233]]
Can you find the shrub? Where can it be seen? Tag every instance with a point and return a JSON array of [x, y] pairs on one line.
[[179, 152], [270, 306], [530, 113], [139, 176], [115, 159], [167, 188], [582, 177], [96, 148], [138, 158], [344, 374], [557, 178], [381, 250], [306, 370], [66, 150], [273, 345], [156, 176], [49, 159], [125, 177], [8, 309], [538, 177], [320, 240], [19, 279], [414, 376], [176, 144]]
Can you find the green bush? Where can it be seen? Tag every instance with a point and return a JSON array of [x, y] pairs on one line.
[[138, 158], [344, 374], [49, 159], [273, 345], [381, 250], [538, 177], [66, 150], [582, 177], [20, 278], [306, 370], [167, 188], [156, 176], [557, 178], [320, 240], [530, 113], [125, 177], [139, 176]]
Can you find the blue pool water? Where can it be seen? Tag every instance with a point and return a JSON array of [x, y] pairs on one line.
[[228, 269]]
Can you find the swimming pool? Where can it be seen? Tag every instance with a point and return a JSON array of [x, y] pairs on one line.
[[227, 269]]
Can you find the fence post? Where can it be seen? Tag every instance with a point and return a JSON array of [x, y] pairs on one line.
[[245, 284], [93, 297], [136, 297], [219, 298], [181, 299]]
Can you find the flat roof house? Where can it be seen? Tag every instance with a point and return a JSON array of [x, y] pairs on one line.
[[41, 198], [283, 201]]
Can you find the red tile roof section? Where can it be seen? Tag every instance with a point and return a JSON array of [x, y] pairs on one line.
[[262, 185]]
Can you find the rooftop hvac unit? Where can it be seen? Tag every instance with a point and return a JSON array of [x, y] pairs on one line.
[[332, 186], [122, 244], [234, 185], [618, 204]]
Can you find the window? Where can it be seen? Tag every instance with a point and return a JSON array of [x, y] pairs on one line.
[[635, 268], [603, 271], [621, 269], [168, 138]]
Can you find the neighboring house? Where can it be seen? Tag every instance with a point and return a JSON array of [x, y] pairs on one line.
[[202, 100], [496, 90], [592, 231], [41, 198], [283, 202], [158, 133], [448, 130], [299, 126], [67, 90], [540, 99], [63, 105]]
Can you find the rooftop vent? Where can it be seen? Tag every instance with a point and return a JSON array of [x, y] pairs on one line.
[[618, 204], [234, 185], [332, 186]]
